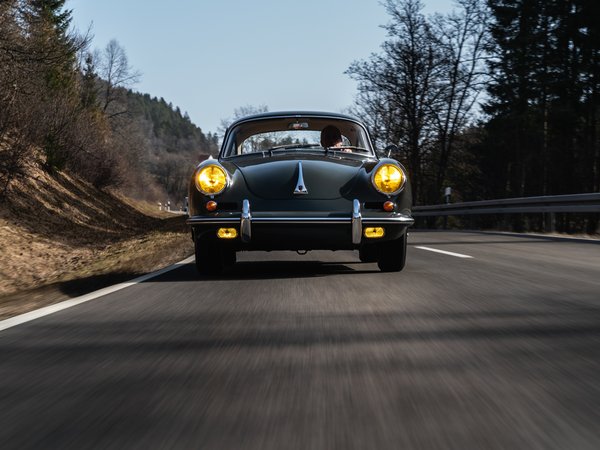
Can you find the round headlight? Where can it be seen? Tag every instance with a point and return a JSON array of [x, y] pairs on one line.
[[211, 180], [388, 179]]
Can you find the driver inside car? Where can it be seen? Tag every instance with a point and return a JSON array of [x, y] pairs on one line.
[[332, 137]]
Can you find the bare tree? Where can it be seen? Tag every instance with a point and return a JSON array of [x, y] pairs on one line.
[[116, 73], [419, 90], [401, 84], [463, 35]]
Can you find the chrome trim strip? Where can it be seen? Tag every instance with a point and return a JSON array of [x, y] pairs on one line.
[[403, 220], [398, 218], [302, 219], [246, 222], [356, 222], [300, 185], [212, 220]]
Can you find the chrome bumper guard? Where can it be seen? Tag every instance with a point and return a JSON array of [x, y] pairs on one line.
[[356, 222], [246, 220]]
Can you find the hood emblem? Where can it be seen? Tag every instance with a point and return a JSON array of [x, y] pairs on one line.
[[300, 186]]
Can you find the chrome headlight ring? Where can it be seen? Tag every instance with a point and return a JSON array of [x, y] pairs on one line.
[[388, 163], [204, 165]]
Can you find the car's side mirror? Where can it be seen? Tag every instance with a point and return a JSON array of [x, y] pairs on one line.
[[392, 148]]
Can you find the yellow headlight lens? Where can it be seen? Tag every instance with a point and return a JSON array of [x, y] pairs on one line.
[[388, 179], [211, 180]]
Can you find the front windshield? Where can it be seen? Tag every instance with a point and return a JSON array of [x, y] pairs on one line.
[[296, 134]]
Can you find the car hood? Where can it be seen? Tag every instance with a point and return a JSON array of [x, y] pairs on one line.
[[277, 177]]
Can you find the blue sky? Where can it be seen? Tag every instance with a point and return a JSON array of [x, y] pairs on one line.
[[211, 56]]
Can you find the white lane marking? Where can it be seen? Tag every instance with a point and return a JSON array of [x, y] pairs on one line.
[[458, 255], [47, 310], [539, 235]]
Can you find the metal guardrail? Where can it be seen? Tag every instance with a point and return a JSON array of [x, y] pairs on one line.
[[576, 203]]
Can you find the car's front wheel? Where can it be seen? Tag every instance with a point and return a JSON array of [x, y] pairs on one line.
[[212, 258], [392, 255]]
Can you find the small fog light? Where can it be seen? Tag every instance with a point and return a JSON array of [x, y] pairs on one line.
[[226, 233], [211, 206], [374, 232]]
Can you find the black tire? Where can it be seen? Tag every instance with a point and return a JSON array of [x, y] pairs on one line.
[[368, 253], [392, 255], [212, 258]]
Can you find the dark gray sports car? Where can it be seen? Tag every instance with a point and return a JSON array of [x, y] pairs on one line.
[[299, 181]]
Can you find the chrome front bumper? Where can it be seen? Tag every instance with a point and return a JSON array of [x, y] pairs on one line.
[[246, 219]]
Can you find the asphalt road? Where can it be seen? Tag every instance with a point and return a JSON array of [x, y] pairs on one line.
[[497, 351]]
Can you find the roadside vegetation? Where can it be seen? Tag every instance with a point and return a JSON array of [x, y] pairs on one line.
[[61, 237], [497, 99], [83, 162], [75, 105]]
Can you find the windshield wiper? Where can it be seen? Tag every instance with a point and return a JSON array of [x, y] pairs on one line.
[[290, 146], [348, 147], [327, 150]]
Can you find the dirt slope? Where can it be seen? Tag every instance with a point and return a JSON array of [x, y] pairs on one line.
[[61, 237]]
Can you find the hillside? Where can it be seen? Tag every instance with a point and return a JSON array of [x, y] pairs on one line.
[[174, 130], [61, 237], [75, 147], [72, 105], [157, 146], [172, 145]]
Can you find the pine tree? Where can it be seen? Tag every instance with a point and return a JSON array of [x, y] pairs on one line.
[[54, 13], [49, 23], [54, 48], [516, 72], [542, 133], [89, 89], [589, 23]]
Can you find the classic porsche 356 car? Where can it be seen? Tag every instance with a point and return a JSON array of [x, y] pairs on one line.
[[299, 181]]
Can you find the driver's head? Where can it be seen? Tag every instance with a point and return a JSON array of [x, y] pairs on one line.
[[330, 136]]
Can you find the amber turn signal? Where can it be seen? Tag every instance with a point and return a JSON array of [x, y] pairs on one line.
[[226, 233], [374, 232], [211, 206], [389, 206]]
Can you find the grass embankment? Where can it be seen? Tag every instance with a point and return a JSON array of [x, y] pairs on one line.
[[60, 238]]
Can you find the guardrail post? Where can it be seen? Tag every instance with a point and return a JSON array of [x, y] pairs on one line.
[[447, 195]]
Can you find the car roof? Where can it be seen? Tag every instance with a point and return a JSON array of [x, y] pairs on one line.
[[295, 114]]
